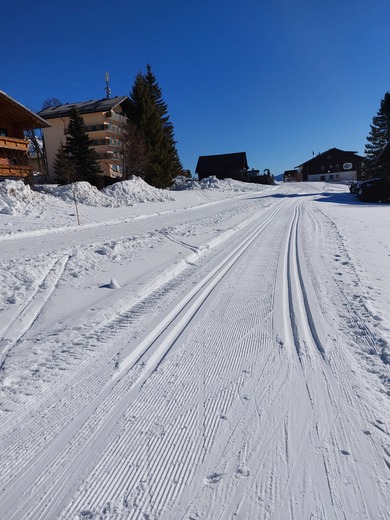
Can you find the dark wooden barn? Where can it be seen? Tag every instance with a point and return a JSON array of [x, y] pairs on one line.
[[223, 166]]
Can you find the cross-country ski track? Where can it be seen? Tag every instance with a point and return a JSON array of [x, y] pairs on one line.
[[230, 386]]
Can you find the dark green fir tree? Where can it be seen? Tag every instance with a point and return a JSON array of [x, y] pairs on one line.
[[378, 137], [150, 114], [64, 172], [79, 150]]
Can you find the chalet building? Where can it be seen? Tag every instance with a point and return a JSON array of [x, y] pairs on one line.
[[14, 120], [333, 165], [104, 121], [224, 166]]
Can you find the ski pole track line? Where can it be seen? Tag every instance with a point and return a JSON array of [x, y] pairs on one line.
[[26, 317], [232, 258]]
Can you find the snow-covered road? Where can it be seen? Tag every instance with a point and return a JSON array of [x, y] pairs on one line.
[[232, 371]]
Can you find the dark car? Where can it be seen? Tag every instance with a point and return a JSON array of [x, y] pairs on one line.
[[374, 190], [354, 187]]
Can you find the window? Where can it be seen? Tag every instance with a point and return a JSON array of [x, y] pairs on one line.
[[322, 177], [4, 132], [322, 167]]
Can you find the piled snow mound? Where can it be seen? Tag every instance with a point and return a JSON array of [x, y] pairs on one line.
[[83, 192], [212, 183], [124, 193], [181, 183], [232, 185], [17, 197], [135, 190]]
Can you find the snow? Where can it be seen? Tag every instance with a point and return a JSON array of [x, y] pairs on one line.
[[16, 198], [217, 350]]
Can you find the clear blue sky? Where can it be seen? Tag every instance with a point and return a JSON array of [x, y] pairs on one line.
[[278, 79]]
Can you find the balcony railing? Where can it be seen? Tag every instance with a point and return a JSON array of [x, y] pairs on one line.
[[115, 143], [14, 171], [13, 143], [114, 115], [106, 127], [13, 163], [111, 156]]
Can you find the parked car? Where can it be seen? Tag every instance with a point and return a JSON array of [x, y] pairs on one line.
[[354, 187], [374, 190]]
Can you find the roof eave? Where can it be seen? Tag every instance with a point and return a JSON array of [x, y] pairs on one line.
[[35, 120]]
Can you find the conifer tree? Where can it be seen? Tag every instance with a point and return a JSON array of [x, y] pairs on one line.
[[64, 172], [150, 113], [379, 135], [135, 152], [79, 150]]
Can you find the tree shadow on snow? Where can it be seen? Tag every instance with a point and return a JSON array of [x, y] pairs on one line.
[[345, 198], [281, 196]]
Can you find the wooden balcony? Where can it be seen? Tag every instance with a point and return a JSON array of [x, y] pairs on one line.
[[15, 171], [12, 143], [13, 158]]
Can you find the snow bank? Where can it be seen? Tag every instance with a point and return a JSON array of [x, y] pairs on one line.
[[134, 191], [124, 193], [181, 183], [212, 183], [83, 192], [17, 197]]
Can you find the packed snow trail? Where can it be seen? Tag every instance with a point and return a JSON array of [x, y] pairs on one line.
[[240, 397]]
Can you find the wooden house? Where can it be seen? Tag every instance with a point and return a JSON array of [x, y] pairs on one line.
[[332, 166], [224, 166], [14, 120]]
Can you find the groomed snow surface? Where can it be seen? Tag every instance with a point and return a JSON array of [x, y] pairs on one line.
[[215, 351]]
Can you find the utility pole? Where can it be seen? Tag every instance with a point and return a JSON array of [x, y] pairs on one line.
[[107, 89]]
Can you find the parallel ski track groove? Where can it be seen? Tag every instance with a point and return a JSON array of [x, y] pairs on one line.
[[33, 307], [300, 328], [356, 321]]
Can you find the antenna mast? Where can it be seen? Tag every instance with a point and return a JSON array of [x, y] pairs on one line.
[[107, 89]]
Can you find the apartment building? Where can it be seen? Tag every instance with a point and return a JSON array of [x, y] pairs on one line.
[[104, 120]]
